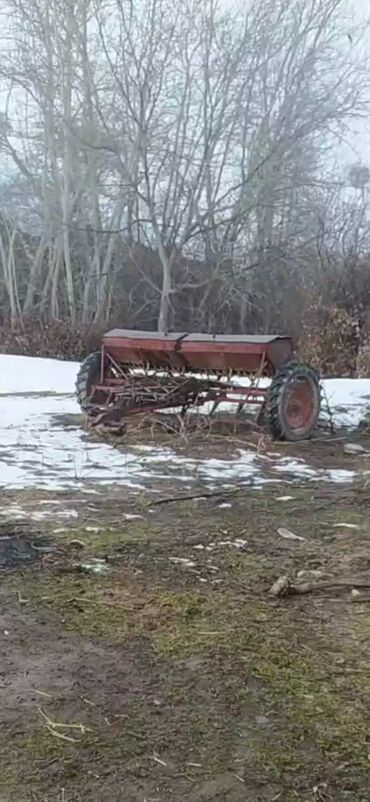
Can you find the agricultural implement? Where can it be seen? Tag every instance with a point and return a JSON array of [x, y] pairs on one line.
[[143, 372]]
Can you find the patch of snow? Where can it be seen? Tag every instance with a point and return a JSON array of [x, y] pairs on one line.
[[37, 448], [239, 543], [348, 400], [354, 448], [298, 467], [339, 475], [225, 506], [14, 512], [21, 374]]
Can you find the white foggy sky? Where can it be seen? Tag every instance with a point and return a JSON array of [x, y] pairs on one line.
[[355, 145], [358, 147]]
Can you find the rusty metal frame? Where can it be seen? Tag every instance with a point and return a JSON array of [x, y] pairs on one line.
[[112, 389]]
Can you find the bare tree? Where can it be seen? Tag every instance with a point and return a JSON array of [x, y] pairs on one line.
[[197, 133], [226, 117]]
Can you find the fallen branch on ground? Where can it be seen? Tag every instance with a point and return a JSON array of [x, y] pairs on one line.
[[53, 725], [191, 496], [284, 587], [362, 597], [61, 736]]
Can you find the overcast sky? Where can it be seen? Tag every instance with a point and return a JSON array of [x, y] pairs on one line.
[[355, 145], [358, 147]]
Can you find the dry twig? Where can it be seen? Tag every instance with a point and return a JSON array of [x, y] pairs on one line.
[[61, 736], [190, 496], [54, 725]]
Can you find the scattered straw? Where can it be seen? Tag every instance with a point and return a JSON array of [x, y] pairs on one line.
[[54, 725], [158, 760], [61, 736]]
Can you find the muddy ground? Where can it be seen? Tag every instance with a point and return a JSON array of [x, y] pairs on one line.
[[143, 659]]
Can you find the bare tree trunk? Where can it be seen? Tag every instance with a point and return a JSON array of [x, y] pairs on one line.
[[10, 276], [55, 277], [104, 279], [67, 165], [165, 306], [33, 276]]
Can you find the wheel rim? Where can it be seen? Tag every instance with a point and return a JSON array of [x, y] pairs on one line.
[[299, 405]]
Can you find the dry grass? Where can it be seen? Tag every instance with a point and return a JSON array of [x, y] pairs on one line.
[[188, 681]]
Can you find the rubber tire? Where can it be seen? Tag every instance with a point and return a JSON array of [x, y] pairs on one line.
[[279, 427], [87, 376]]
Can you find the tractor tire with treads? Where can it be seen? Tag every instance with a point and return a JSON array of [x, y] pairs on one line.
[[293, 402], [87, 376]]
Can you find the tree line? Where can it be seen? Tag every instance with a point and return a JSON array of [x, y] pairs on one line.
[[171, 165]]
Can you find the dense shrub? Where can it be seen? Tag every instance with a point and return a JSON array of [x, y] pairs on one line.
[[331, 340], [55, 339]]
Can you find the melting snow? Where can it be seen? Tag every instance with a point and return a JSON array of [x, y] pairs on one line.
[[355, 448], [22, 374], [14, 512], [37, 448], [348, 400], [340, 475]]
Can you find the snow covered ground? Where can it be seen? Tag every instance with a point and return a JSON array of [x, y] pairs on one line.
[[348, 399], [24, 374], [37, 449]]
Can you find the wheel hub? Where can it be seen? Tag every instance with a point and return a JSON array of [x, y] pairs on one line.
[[300, 405]]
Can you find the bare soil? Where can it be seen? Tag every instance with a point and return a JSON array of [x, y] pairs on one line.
[[143, 659]]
